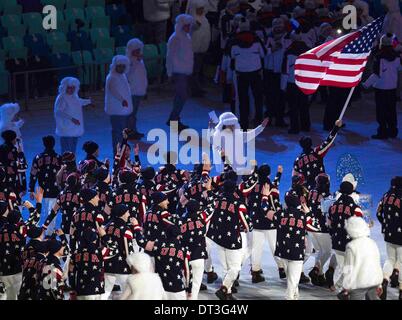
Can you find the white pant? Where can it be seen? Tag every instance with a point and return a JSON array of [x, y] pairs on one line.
[[231, 264], [197, 268], [259, 238], [309, 248], [91, 297], [338, 275], [47, 205], [323, 245], [208, 262], [12, 284], [110, 280], [246, 246], [394, 257], [176, 295], [293, 272]]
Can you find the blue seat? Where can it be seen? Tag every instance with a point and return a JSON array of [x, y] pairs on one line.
[[80, 41], [36, 44], [59, 60], [122, 35]]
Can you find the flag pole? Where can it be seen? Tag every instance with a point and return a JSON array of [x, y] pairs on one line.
[[346, 103]]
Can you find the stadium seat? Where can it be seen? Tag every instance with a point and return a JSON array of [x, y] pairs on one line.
[[99, 33], [105, 43], [4, 3], [33, 20], [36, 44], [74, 13], [121, 51], [93, 12], [77, 4], [12, 9], [115, 11], [103, 57], [122, 35], [61, 47], [12, 43], [152, 61], [59, 4], [59, 60], [79, 41], [18, 31], [18, 53], [100, 22], [10, 20], [55, 36], [85, 61], [96, 3]]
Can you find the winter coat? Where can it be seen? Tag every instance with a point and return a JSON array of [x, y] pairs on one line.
[[247, 52], [137, 74], [117, 89], [180, 55], [387, 65], [7, 114], [362, 266], [389, 214], [201, 31], [68, 107]]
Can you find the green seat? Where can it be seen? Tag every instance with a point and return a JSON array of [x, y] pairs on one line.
[[72, 14], [121, 51], [5, 3], [96, 3], [99, 33], [93, 12], [86, 61], [10, 20], [12, 43], [152, 61], [79, 4], [103, 57], [59, 4], [104, 43], [12, 9], [32, 20], [20, 53], [55, 36], [61, 47], [18, 31], [101, 22]]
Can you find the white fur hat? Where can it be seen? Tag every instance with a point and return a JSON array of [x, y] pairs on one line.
[[140, 261], [356, 227], [350, 178], [228, 119]]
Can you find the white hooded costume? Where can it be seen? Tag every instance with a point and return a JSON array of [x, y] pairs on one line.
[[180, 55], [362, 267], [234, 143], [201, 31], [8, 112], [137, 74], [145, 284], [117, 89], [68, 107], [393, 20]]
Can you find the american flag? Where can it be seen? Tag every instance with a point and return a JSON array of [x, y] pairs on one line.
[[339, 62]]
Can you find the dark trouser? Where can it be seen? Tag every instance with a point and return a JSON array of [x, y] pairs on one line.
[[132, 118], [197, 72], [385, 102], [119, 123], [68, 144], [245, 80], [298, 109], [155, 32], [181, 94], [274, 98], [336, 100]]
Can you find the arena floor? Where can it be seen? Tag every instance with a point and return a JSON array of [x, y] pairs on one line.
[[380, 160]]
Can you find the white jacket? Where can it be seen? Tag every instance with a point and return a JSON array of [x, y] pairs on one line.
[[137, 74], [234, 143], [157, 10], [7, 114], [68, 107], [388, 77], [145, 284], [180, 55], [117, 89], [362, 268], [201, 31]]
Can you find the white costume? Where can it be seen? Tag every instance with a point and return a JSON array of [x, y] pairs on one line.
[[7, 113], [234, 143]]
